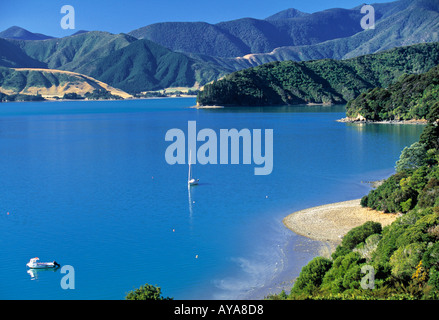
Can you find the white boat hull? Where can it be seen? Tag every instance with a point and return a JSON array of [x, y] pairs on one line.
[[34, 264], [193, 182], [41, 265]]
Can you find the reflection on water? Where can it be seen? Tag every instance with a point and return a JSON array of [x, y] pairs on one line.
[[34, 273], [280, 109], [380, 128], [189, 191]]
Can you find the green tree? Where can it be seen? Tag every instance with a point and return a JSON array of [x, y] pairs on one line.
[[311, 276], [412, 157], [405, 259], [146, 292]]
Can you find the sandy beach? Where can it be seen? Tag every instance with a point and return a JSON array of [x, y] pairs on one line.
[[332, 221]]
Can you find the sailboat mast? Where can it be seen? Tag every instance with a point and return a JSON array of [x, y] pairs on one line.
[[189, 174]]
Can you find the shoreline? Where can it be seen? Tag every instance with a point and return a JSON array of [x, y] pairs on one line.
[[364, 121], [317, 231], [207, 107], [51, 99], [330, 222]]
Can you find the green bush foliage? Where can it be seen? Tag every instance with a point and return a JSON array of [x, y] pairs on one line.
[[360, 234], [311, 276], [146, 292], [412, 97]]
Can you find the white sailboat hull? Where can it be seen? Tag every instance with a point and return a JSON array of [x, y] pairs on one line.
[[192, 182]]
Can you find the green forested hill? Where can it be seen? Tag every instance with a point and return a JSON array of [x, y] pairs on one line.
[[12, 56], [319, 81], [144, 65], [410, 98], [120, 60], [75, 53]]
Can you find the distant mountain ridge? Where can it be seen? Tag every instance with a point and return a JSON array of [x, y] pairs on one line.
[[243, 36], [22, 34], [293, 35], [192, 54], [287, 14]]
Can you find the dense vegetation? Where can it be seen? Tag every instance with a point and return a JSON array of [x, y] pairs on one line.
[[101, 94], [146, 292], [404, 255], [319, 81], [19, 97], [144, 65], [410, 98]]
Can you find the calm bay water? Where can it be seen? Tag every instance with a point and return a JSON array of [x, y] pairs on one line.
[[87, 184]]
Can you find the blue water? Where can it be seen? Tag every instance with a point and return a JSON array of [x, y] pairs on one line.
[[87, 184]]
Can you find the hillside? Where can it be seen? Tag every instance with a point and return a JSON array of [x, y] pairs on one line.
[[319, 81], [50, 83], [12, 56], [74, 53], [144, 65], [120, 60], [410, 98]]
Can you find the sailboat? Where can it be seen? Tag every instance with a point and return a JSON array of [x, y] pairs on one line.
[[191, 181]]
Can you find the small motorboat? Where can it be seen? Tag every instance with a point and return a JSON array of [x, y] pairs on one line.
[[34, 264]]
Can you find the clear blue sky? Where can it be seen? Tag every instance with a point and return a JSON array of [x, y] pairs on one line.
[[44, 16]]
